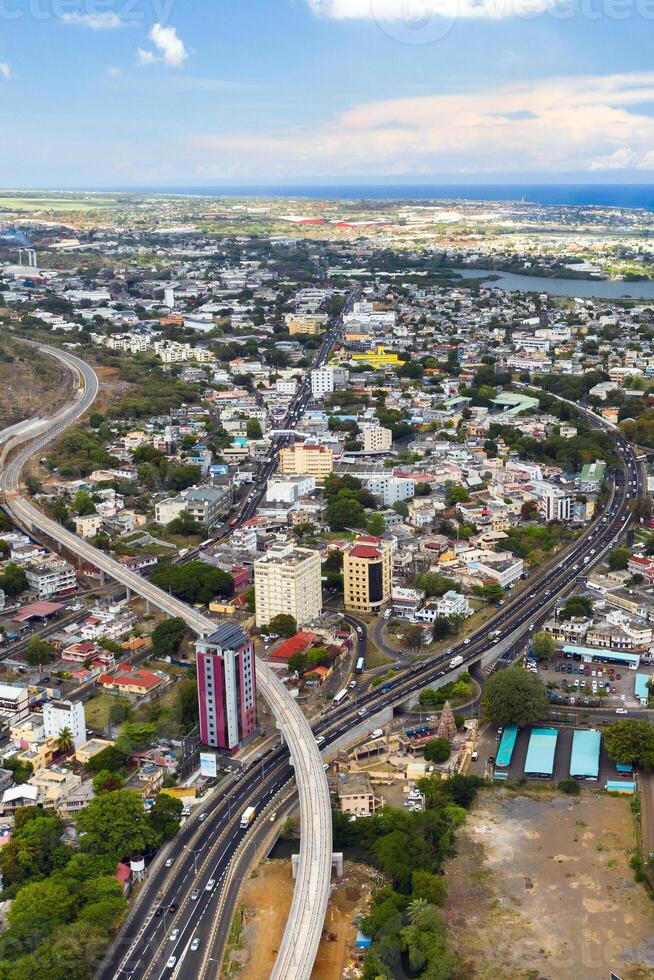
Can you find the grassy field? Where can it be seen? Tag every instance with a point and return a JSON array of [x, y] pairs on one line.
[[27, 203], [97, 711]]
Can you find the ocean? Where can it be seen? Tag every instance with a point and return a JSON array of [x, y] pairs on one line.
[[580, 195]]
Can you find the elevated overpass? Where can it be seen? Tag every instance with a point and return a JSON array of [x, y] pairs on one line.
[[299, 945]]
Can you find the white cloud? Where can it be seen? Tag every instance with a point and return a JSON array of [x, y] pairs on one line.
[[114, 72], [556, 125], [5, 71], [171, 47], [416, 11], [108, 21], [145, 57]]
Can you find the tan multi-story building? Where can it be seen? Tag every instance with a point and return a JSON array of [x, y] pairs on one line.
[[367, 574], [287, 582], [376, 439], [308, 458], [305, 323]]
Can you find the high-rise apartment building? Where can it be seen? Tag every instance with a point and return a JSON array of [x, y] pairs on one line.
[[226, 688], [367, 574], [308, 458], [58, 715], [287, 582], [376, 438]]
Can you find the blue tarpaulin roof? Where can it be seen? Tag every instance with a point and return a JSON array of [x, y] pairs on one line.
[[540, 754], [584, 761]]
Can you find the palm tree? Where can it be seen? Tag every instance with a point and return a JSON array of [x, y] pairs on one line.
[[415, 907], [65, 741]]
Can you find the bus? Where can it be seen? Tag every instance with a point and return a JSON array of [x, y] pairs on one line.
[[340, 697], [361, 663], [205, 544], [505, 752], [641, 457]]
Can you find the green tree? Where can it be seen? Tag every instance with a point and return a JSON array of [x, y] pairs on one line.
[[543, 645], [433, 584], [135, 735], [65, 742], [39, 652], [297, 662], [376, 525], [196, 581], [119, 711], [253, 429], [437, 750], [618, 559], [631, 741], [115, 824], [110, 758], [13, 579], [107, 782], [429, 887], [83, 503], [167, 637], [343, 513], [165, 816], [515, 697], [281, 625]]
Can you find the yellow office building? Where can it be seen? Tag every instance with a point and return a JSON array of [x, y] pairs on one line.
[[309, 458], [367, 574]]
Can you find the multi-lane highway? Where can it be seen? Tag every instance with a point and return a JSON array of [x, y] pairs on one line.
[[220, 836], [302, 936]]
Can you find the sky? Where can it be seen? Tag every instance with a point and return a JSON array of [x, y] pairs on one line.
[[184, 93]]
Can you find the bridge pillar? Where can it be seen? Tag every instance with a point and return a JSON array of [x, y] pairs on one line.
[[103, 579], [337, 864]]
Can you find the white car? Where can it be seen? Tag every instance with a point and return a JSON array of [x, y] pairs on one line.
[[621, 711], [195, 944], [173, 936], [171, 962]]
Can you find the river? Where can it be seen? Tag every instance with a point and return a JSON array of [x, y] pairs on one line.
[[586, 288]]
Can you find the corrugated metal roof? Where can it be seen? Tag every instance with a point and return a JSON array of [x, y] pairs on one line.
[[540, 754], [584, 761]]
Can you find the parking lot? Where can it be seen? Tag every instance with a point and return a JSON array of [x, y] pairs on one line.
[[576, 683]]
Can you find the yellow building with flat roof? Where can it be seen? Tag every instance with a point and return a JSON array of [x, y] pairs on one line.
[[377, 358]]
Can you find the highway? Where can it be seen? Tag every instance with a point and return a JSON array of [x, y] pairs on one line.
[[302, 936], [297, 951]]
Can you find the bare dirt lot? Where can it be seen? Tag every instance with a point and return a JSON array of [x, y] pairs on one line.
[[266, 899], [542, 888]]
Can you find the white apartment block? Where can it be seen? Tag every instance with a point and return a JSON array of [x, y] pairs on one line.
[[322, 382], [391, 488], [49, 578], [14, 701], [376, 438], [58, 715], [287, 581], [167, 510], [289, 490]]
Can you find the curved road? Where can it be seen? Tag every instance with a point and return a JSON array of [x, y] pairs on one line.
[[304, 927]]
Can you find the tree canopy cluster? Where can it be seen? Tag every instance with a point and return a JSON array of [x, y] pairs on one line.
[[409, 847], [515, 697], [196, 581]]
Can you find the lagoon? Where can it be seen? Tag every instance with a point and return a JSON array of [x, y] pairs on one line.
[[610, 289]]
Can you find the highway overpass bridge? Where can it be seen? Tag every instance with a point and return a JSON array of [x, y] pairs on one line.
[[298, 948]]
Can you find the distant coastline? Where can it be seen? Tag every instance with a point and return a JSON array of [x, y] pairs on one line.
[[636, 196]]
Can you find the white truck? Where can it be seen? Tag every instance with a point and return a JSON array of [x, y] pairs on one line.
[[248, 816], [455, 661]]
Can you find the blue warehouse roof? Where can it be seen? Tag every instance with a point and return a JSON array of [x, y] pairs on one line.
[[584, 761], [540, 754]]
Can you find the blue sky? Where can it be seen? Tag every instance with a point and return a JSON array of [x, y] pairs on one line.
[[204, 92]]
